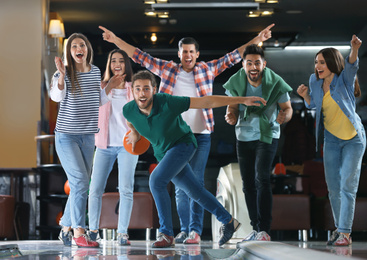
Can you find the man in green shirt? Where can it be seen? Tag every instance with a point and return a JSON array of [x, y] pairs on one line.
[[158, 118]]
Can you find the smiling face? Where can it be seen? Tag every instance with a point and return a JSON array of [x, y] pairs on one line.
[[321, 67], [79, 51], [188, 56], [254, 65], [117, 64], [143, 92]]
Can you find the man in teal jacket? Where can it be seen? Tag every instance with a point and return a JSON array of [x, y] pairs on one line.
[[257, 132]]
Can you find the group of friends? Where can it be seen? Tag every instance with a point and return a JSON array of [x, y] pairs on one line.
[[177, 118]]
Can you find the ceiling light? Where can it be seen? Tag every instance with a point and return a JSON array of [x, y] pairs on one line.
[[266, 13], [260, 13], [267, 1], [253, 14], [163, 14], [206, 6], [153, 38], [150, 2], [153, 13], [150, 13]]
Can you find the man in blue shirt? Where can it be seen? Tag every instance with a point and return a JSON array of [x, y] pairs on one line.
[[257, 132]]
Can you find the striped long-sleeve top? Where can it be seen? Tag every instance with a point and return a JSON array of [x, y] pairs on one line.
[[78, 112]]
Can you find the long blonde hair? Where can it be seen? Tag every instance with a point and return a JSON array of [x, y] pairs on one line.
[[70, 63]]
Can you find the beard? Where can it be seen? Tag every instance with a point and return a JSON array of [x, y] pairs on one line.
[[144, 105], [255, 78]]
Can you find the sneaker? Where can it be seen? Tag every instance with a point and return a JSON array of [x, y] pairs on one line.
[[66, 237], [164, 240], [342, 240], [84, 241], [194, 238], [251, 236], [123, 239], [94, 236], [180, 238], [334, 236], [262, 236], [226, 231]]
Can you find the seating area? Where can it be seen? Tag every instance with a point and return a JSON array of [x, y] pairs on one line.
[[311, 209], [143, 216]]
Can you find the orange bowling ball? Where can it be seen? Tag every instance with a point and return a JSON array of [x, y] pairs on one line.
[[58, 217], [279, 169], [152, 167], [141, 146], [67, 187]]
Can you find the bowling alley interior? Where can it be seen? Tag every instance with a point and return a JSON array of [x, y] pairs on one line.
[[34, 187]]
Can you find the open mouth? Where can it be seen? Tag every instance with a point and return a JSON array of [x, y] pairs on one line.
[[80, 55], [254, 73], [188, 61]]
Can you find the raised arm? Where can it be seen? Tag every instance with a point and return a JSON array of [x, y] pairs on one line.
[[355, 44], [220, 101], [264, 35], [303, 92], [109, 36]]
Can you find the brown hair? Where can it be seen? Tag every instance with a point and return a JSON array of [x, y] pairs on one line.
[[144, 74], [335, 63], [70, 63], [128, 69]]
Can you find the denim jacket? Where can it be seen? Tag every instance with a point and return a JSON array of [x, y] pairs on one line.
[[342, 91]]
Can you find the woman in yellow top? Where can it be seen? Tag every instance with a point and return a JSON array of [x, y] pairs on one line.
[[333, 91]]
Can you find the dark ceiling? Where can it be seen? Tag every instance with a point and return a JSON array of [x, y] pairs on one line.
[[296, 21]]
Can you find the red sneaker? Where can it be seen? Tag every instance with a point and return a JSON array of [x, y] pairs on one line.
[[343, 240], [164, 241], [84, 241], [193, 238]]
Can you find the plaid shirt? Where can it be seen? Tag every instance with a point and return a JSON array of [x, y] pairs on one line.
[[204, 75]]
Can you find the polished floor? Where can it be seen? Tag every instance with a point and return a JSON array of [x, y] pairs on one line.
[[53, 249]]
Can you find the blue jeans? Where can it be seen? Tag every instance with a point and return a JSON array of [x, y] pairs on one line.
[[192, 220], [255, 159], [342, 161], [104, 160], [76, 156], [175, 167]]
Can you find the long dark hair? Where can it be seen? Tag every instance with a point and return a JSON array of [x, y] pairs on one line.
[[335, 63], [70, 63], [128, 68]]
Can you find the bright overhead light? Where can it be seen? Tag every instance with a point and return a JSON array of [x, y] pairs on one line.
[[153, 38], [338, 47], [206, 6], [153, 13], [150, 2], [260, 13]]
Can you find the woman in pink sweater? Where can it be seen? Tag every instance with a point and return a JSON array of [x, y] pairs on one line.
[[109, 142]]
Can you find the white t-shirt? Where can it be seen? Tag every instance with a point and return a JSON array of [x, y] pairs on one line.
[[185, 86], [117, 125]]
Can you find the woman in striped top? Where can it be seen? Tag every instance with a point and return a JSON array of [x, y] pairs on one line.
[[76, 86]]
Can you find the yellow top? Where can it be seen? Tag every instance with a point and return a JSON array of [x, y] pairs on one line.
[[335, 121]]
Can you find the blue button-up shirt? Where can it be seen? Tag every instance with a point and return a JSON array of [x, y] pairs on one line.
[[342, 92]]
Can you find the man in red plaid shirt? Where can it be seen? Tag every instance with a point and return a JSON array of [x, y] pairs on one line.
[[193, 79]]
